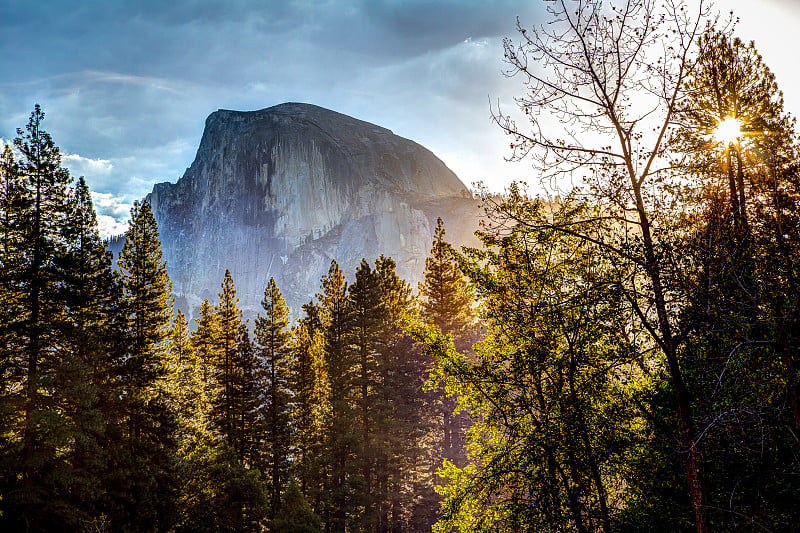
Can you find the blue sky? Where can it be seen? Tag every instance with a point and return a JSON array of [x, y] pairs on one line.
[[127, 86]]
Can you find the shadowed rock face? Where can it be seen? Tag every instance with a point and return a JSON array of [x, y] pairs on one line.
[[282, 191]]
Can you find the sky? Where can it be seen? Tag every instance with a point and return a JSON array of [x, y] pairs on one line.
[[126, 85]]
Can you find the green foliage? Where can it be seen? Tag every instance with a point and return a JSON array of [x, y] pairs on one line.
[[226, 372], [341, 437], [58, 297], [249, 400], [404, 415], [220, 461], [36, 206], [295, 515], [147, 292], [86, 432], [365, 300], [550, 419], [446, 299], [86, 371], [149, 432], [218, 493], [205, 341]]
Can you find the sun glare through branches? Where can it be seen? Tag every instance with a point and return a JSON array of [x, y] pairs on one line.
[[728, 131]]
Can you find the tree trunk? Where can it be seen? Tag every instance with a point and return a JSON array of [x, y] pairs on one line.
[[682, 397]]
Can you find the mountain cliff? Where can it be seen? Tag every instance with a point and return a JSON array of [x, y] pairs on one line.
[[282, 191]]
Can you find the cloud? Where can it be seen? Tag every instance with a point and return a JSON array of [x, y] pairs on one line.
[[80, 166], [113, 213], [128, 85], [110, 227], [448, 107], [109, 204]]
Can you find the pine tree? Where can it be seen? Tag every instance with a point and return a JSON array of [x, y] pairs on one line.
[[226, 372], [251, 429], [364, 302], [249, 400], [295, 515], [310, 407], [755, 175], [218, 492], [342, 437], [272, 341], [221, 486], [446, 304], [185, 383], [35, 208], [88, 361], [151, 424], [11, 295], [61, 354], [404, 483], [446, 298], [11, 306], [205, 341], [737, 283], [147, 292]]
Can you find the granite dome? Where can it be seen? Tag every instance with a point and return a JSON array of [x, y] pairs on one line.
[[283, 190]]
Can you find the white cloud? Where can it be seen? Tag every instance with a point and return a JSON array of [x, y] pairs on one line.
[[479, 44], [113, 213], [109, 226], [107, 203], [82, 166]]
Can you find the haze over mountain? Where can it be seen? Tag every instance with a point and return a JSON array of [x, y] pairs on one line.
[[282, 191]]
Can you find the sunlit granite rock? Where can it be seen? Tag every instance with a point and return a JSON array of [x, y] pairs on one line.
[[282, 191]]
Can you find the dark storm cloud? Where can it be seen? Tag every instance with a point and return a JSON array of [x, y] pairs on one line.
[[127, 85]]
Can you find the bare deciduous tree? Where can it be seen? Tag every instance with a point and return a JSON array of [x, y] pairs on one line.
[[602, 86]]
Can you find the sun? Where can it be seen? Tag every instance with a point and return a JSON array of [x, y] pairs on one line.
[[728, 131]]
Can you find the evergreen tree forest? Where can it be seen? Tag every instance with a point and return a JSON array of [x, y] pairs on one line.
[[619, 356]]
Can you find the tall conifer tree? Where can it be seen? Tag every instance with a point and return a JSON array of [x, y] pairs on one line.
[[11, 296], [11, 305], [88, 361], [186, 385], [226, 370], [403, 413], [446, 304], [35, 207], [342, 438], [365, 304], [147, 290], [310, 407], [249, 401], [151, 424], [272, 339], [205, 341], [446, 298]]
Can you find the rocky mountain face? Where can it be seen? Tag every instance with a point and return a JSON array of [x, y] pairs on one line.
[[282, 191]]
